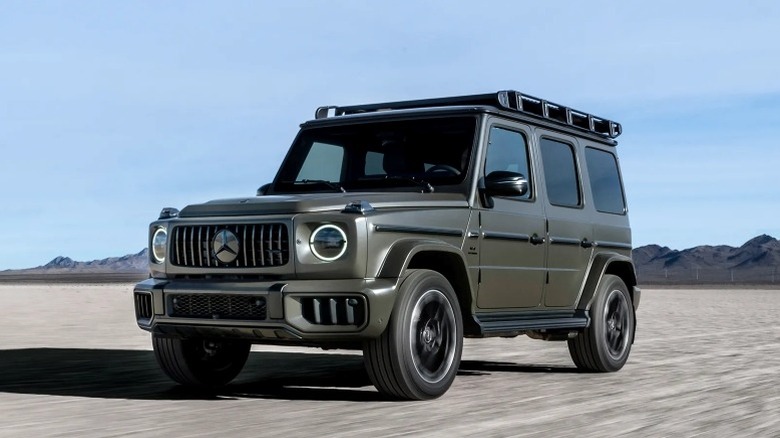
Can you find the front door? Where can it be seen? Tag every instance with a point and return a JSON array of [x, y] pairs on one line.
[[511, 232]]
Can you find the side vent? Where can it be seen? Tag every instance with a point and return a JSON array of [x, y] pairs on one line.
[[334, 310], [143, 305]]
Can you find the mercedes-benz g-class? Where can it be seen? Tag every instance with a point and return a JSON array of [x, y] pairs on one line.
[[400, 228]]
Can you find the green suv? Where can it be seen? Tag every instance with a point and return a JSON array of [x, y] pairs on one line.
[[400, 228]]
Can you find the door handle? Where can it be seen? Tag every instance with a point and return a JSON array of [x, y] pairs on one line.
[[537, 240]]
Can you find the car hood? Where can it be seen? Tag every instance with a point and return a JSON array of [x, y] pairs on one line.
[[317, 202]]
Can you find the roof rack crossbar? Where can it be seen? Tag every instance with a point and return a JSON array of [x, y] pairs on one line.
[[508, 100]]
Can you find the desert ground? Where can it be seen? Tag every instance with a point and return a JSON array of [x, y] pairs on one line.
[[705, 362]]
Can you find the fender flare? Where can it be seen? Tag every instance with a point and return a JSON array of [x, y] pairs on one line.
[[600, 265], [403, 251]]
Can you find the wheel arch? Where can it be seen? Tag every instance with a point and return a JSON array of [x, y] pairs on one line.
[[607, 264], [436, 256]]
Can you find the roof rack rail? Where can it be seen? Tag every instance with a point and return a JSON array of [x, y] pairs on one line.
[[507, 100]]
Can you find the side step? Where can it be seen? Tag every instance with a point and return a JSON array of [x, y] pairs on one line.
[[513, 323]]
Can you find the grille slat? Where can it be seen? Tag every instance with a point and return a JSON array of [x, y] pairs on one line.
[[192, 244], [176, 239], [254, 254], [262, 253], [208, 239], [246, 258], [183, 247], [200, 246], [234, 307], [259, 245], [268, 243]]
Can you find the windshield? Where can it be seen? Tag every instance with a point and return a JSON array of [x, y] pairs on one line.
[[417, 154]]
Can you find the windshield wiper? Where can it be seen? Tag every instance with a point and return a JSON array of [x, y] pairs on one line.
[[426, 186], [330, 184]]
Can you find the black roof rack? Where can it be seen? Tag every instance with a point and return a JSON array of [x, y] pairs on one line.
[[509, 100]]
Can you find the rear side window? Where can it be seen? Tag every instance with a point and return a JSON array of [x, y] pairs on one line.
[[605, 181], [560, 173]]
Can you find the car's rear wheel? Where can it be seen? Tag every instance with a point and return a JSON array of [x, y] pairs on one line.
[[418, 355], [200, 362], [606, 344]]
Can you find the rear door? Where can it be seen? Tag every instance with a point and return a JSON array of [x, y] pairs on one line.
[[569, 228]]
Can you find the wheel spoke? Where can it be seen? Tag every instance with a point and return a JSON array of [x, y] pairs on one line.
[[439, 315], [429, 362], [611, 339]]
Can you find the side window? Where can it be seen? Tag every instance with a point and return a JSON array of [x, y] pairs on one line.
[[605, 181], [508, 150], [560, 173], [324, 162]]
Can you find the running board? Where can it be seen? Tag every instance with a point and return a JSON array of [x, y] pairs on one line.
[[505, 323]]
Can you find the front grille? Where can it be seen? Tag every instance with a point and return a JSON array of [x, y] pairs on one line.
[[334, 310], [210, 306], [259, 246], [143, 305]]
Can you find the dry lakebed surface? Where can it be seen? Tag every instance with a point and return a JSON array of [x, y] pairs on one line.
[[705, 362]]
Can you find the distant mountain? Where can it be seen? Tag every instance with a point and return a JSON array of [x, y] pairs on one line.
[[760, 251], [128, 264], [755, 261]]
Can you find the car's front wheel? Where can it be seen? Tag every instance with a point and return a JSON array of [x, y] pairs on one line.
[[605, 345], [200, 362], [418, 355]]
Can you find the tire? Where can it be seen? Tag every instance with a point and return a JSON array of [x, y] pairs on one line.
[[417, 356], [200, 363], [606, 344]]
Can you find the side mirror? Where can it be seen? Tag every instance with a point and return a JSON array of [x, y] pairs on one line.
[[263, 189], [505, 183], [502, 183]]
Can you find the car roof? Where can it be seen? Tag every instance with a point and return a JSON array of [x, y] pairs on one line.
[[454, 110]]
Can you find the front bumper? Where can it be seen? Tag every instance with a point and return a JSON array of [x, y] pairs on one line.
[[288, 315]]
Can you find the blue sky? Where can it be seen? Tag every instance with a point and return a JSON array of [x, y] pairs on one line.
[[111, 110]]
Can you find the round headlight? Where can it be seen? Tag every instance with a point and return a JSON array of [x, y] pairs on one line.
[[159, 241], [328, 242]]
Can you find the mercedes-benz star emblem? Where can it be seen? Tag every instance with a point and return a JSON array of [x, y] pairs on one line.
[[225, 245]]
